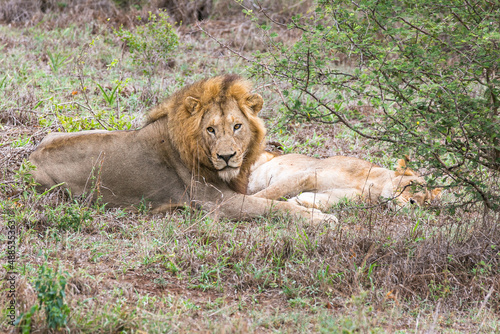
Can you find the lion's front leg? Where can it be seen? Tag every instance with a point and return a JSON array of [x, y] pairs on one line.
[[248, 207]]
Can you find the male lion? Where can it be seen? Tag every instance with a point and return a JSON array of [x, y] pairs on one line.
[[196, 148], [319, 184]]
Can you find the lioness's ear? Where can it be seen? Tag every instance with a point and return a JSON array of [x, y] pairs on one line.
[[400, 167], [436, 193], [191, 104], [255, 102]]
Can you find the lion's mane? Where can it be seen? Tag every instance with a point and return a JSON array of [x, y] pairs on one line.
[[184, 127]]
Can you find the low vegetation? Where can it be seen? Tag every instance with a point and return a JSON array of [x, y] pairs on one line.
[[83, 267]]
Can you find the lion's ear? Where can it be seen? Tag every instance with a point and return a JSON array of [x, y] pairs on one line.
[[255, 102], [436, 193], [400, 167], [191, 104]]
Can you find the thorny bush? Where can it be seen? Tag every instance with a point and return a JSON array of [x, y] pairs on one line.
[[427, 70]]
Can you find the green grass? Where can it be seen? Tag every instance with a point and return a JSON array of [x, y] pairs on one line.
[[378, 271]]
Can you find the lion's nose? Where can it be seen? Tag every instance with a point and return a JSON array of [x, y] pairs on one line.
[[226, 157], [412, 201]]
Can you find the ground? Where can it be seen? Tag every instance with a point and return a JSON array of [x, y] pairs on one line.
[[412, 270]]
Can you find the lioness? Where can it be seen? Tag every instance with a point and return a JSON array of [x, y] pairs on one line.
[[196, 148], [319, 184]]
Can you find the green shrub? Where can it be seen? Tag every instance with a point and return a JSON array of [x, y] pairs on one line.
[[151, 44], [49, 285], [428, 70], [102, 119], [69, 217]]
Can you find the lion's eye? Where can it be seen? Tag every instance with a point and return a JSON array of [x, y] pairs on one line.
[[210, 129], [237, 126]]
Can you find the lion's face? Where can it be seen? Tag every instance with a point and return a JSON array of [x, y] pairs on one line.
[[226, 133], [411, 188], [214, 126], [418, 193]]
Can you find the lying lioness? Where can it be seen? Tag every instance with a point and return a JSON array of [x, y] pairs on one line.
[[319, 184]]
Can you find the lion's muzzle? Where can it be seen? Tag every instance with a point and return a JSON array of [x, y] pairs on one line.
[[227, 165], [226, 157]]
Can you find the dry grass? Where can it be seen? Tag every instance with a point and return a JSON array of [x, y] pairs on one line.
[[377, 271]]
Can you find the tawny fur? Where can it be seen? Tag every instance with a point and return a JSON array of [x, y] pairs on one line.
[[196, 148], [186, 130], [319, 183]]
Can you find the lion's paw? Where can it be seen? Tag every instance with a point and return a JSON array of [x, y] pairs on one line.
[[331, 220], [319, 217]]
